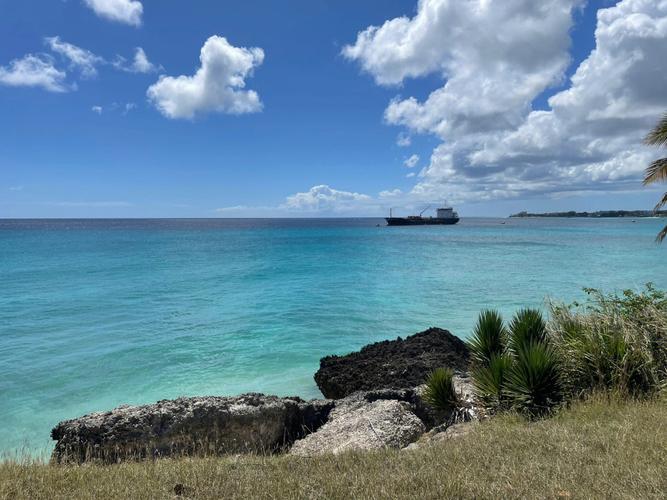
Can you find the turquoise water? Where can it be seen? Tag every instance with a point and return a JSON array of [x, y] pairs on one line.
[[94, 314]]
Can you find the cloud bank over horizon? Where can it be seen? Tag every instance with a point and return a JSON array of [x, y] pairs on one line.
[[495, 59]]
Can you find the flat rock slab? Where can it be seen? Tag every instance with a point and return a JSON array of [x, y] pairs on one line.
[[384, 423], [400, 363], [251, 423]]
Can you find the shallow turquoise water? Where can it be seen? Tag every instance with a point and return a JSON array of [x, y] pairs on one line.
[[94, 314]]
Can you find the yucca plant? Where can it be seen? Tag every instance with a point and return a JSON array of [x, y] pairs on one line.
[[533, 381], [488, 338], [440, 392], [489, 381], [527, 327]]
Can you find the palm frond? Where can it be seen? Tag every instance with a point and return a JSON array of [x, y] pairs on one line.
[[661, 235], [661, 203], [658, 136], [656, 171]]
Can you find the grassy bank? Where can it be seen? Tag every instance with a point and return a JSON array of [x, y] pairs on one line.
[[600, 449]]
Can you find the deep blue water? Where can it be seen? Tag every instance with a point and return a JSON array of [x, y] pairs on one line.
[[97, 313]]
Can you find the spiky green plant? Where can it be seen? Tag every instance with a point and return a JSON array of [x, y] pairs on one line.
[[527, 327], [488, 337], [440, 392], [489, 381], [533, 382]]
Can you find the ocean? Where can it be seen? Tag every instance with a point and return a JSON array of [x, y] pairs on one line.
[[99, 313]]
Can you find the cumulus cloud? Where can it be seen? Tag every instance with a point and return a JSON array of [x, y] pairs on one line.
[[495, 58], [83, 60], [97, 109], [323, 198], [412, 161], [34, 71], [217, 86], [139, 64], [123, 11]]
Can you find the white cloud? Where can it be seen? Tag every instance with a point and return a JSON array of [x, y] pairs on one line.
[[97, 109], [403, 140], [129, 107], [390, 193], [217, 86], [495, 58], [83, 60], [412, 161], [34, 71], [140, 63], [123, 11], [323, 198]]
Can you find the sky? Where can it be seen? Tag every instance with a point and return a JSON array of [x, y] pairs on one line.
[[307, 108]]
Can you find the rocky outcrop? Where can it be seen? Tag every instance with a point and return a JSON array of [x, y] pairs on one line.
[[386, 418], [399, 363], [185, 426], [376, 404], [384, 423]]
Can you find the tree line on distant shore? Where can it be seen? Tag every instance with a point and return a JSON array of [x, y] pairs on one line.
[[601, 213]]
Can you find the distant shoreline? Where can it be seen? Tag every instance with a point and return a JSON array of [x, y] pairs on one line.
[[599, 214]]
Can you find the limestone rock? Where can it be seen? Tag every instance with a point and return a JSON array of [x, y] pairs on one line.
[[400, 363], [358, 425], [200, 425]]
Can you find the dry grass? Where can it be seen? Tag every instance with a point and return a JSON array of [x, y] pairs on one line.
[[598, 449]]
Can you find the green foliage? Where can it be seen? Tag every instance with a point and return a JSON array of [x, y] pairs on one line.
[[440, 392], [657, 170], [489, 380], [533, 381], [613, 343], [527, 327], [488, 338], [516, 369]]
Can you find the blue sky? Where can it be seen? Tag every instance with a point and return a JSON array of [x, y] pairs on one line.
[[321, 138]]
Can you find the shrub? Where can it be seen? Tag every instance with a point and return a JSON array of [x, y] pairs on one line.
[[440, 392], [533, 381], [612, 343], [488, 338]]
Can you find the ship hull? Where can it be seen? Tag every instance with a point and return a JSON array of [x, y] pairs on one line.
[[420, 221]]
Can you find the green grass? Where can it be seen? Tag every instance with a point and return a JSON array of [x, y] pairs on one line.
[[604, 448]]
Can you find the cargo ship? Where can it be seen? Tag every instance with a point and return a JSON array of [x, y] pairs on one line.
[[443, 216]]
